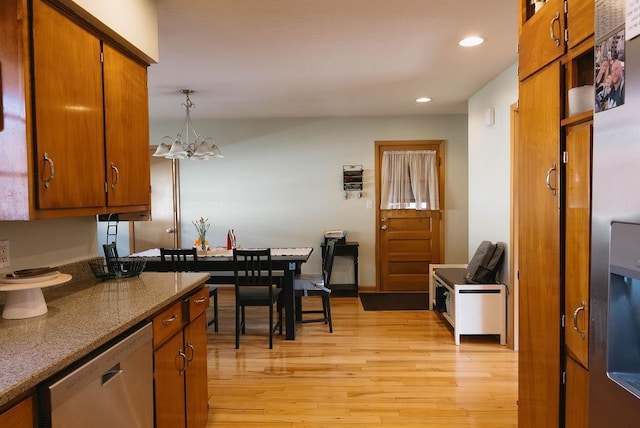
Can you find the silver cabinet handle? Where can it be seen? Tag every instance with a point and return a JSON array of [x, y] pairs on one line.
[[169, 320], [551, 32], [383, 227], [201, 299], [548, 179], [192, 353], [52, 170], [184, 363], [117, 178], [582, 307]]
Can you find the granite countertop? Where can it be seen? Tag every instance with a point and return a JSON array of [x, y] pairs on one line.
[[82, 315]]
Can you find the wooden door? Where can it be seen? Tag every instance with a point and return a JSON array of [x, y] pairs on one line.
[[197, 397], [169, 383], [127, 130], [161, 231], [539, 244], [577, 240], [407, 240], [69, 123], [512, 298]]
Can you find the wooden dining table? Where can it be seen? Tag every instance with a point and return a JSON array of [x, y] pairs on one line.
[[218, 262]]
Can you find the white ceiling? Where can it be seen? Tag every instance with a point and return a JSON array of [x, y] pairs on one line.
[[318, 58]]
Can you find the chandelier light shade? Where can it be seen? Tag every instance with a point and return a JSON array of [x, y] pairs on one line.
[[181, 147]]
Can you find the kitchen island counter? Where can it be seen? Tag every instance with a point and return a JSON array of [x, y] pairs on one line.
[[82, 316]]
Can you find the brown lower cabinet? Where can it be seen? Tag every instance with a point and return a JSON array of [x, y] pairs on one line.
[[577, 396], [180, 363], [19, 416]]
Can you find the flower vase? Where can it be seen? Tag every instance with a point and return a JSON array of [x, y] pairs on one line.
[[203, 243]]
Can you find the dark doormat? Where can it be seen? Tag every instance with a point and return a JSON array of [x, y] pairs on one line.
[[394, 301]]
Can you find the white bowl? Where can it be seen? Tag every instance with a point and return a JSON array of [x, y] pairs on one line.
[[581, 99]]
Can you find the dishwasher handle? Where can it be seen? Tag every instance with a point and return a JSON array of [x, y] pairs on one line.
[[111, 374]]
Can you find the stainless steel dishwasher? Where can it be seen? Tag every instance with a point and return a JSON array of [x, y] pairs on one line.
[[113, 389]]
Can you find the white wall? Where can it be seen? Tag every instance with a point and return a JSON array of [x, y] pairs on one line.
[[490, 171], [280, 183], [489, 161], [133, 22], [49, 242]]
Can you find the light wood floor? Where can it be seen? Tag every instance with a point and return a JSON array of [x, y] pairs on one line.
[[382, 369]]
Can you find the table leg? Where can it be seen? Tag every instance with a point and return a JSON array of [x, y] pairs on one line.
[[289, 303]]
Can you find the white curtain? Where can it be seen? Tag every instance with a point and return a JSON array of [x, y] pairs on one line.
[[409, 180]]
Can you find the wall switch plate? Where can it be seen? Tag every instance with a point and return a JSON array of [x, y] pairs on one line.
[[4, 253]]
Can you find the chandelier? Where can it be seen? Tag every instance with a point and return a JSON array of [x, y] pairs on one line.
[[200, 148]]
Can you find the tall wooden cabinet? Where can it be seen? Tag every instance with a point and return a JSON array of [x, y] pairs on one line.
[[578, 142], [75, 113], [556, 54], [539, 244]]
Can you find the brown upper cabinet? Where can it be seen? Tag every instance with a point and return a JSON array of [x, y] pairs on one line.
[[580, 21], [547, 34], [75, 124], [541, 36]]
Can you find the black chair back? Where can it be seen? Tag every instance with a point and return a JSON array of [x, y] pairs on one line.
[[253, 268], [328, 262], [179, 259]]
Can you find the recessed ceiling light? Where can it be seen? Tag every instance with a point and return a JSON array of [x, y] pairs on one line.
[[471, 41], [423, 100]]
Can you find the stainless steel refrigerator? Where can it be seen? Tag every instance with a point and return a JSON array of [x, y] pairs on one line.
[[614, 343]]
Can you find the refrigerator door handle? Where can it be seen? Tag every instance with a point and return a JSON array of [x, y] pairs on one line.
[[548, 179]]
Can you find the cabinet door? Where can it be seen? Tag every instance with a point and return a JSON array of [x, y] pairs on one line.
[[542, 38], [577, 396], [539, 249], [68, 112], [577, 239], [127, 130], [19, 416], [195, 336], [580, 20], [169, 369]]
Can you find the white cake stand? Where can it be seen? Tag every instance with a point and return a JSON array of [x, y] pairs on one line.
[[24, 299]]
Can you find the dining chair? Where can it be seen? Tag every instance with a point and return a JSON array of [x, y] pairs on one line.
[[179, 259], [185, 260], [254, 286], [315, 285]]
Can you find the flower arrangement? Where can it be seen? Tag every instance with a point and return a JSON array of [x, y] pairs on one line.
[[202, 226]]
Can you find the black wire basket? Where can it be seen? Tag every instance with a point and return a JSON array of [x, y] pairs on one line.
[[114, 268]]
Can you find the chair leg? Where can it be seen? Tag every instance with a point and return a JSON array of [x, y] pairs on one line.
[[280, 317], [214, 293], [237, 326], [215, 310], [271, 327], [326, 303], [244, 324]]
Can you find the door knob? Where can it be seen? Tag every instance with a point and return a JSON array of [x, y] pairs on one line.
[[383, 227], [170, 230], [383, 219]]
